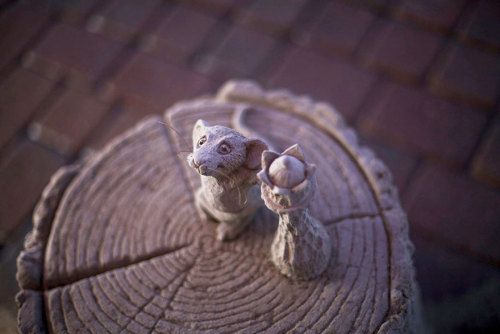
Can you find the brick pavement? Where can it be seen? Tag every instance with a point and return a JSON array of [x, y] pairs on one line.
[[418, 79]]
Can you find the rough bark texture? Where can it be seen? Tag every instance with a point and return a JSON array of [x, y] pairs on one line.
[[120, 245]]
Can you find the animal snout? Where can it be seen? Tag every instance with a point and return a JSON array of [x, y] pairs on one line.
[[197, 163], [203, 169], [201, 166]]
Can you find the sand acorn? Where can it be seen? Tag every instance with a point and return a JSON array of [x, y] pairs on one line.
[[301, 247]]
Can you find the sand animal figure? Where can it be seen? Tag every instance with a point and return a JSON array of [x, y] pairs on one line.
[[228, 163], [301, 248]]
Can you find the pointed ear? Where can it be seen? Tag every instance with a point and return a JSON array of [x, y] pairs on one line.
[[267, 158], [198, 129], [295, 151], [255, 147]]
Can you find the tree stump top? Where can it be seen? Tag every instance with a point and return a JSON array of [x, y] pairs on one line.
[[118, 245]]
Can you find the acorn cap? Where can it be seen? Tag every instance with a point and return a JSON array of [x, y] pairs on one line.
[[287, 171]]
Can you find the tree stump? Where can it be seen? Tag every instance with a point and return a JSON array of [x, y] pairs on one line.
[[118, 245]]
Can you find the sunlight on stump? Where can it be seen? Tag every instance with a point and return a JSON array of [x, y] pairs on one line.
[[119, 245]]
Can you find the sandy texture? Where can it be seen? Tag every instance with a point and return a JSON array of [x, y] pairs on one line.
[[128, 251]]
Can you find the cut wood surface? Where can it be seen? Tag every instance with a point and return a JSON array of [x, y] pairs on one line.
[[119, 246]]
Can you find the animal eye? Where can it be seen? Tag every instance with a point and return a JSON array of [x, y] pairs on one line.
[[224, 148], [202, 140]]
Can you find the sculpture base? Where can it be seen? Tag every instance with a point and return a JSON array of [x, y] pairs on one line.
[[118, 243]]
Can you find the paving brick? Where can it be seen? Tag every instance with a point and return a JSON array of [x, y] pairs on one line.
[[157, 83], [441, 271], [9, 251], [179, 35], [271, 16], [419, 121], [482, 25], [123, 118], [372, 4], [470, 75], [70, 51], [20, 94], [8, 321], [455, 209], [338, 29], [77, 11], [24, 172], [400, 163], [217, 7], [16, 33], [238, 55], [430, 14], [477, 311], [68, 122], [400, 50], [121, 19], [330, 79], [486, 163]]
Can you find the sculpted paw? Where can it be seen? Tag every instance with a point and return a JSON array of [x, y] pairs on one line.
[[203, 215], [229, 232], [198, 200]]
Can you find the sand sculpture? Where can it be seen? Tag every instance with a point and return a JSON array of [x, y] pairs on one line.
[[228, 164], [118, 244]]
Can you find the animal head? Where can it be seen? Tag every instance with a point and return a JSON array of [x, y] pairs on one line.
[[219, 151]]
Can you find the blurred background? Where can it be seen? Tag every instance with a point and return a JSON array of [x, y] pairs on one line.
[[418, 79]]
